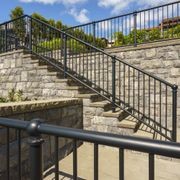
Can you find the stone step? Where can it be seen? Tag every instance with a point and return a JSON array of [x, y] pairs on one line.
[[89, 98], [120, 114], [144, 134], [29, 56], [33, 62], [128, 123], [44, 67], [80, 89], [106, 105]]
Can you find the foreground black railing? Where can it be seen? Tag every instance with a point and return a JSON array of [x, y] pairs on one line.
[[35, 128], [151, 100], [149, 25]]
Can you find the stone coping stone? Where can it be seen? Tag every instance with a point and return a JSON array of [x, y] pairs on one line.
[[12, 108], [12, 52], [149, 45]]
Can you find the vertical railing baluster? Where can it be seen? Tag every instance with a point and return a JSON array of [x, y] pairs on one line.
[[7, 153], [113, 83], [30, 34], [5, 38], [56, 158], [94, 33], [121, 164], [151, 166], [166, 110], [74, 159], [124, 85], [160, 106], [135, 28], [174, 112], [65, 55], [19, 154], [96, 161]]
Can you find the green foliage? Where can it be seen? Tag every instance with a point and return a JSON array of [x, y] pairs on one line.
[[119, 38], [146, 35], [39, 17], [53, 44], [13, 96], [19, 25], [59, 25], [17, 12], [154, 34], [75, 47], [177, 31]]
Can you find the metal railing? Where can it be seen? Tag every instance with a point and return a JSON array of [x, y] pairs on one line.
[[144, 26], [151, 100], [36, 128]]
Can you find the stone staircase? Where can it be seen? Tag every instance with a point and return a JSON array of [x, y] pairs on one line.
[[97, 112]]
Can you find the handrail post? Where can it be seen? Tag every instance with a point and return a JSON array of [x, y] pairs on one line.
[[30, 34], [65, 55], [113, 83], [5, 37], [174, 112], [35, 142], [135, 28]]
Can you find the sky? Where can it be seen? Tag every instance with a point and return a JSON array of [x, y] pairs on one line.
[[75, 12]]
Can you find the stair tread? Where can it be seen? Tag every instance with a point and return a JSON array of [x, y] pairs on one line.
[[141, 133], [86, 95], [115, 114], [100, 104], [129, 122], [75, 87]]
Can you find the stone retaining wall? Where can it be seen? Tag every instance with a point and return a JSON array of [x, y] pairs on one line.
[[162, 60], [64, 112]]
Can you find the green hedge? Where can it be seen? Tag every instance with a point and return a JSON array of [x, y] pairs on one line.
[[55, 44], [145, 36]]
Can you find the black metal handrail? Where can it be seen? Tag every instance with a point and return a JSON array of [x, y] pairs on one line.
[[36, 127], [142, 26], [151, 100]]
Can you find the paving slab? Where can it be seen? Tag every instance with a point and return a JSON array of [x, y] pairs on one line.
[[136, 165]]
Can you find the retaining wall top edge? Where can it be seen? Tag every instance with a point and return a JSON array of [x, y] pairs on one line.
[[11, 52], [30, 106], [144, 46]]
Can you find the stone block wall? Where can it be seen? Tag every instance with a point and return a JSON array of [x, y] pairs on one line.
[[22, 72], [65, 112], [134, 87], [162, 61]]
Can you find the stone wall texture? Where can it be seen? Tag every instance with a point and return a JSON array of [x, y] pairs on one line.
[[66, 112], [163, 61], [23, 72]]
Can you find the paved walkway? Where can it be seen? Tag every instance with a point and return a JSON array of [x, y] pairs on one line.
[[136, 166]]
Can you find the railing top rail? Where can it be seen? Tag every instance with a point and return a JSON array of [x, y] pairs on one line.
[[169, 149], [97, 49], [10, 21], [122, 15]]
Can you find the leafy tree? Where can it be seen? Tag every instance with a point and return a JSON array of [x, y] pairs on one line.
[[59, 24], [18, 25], [17, 12], [39, 17]]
